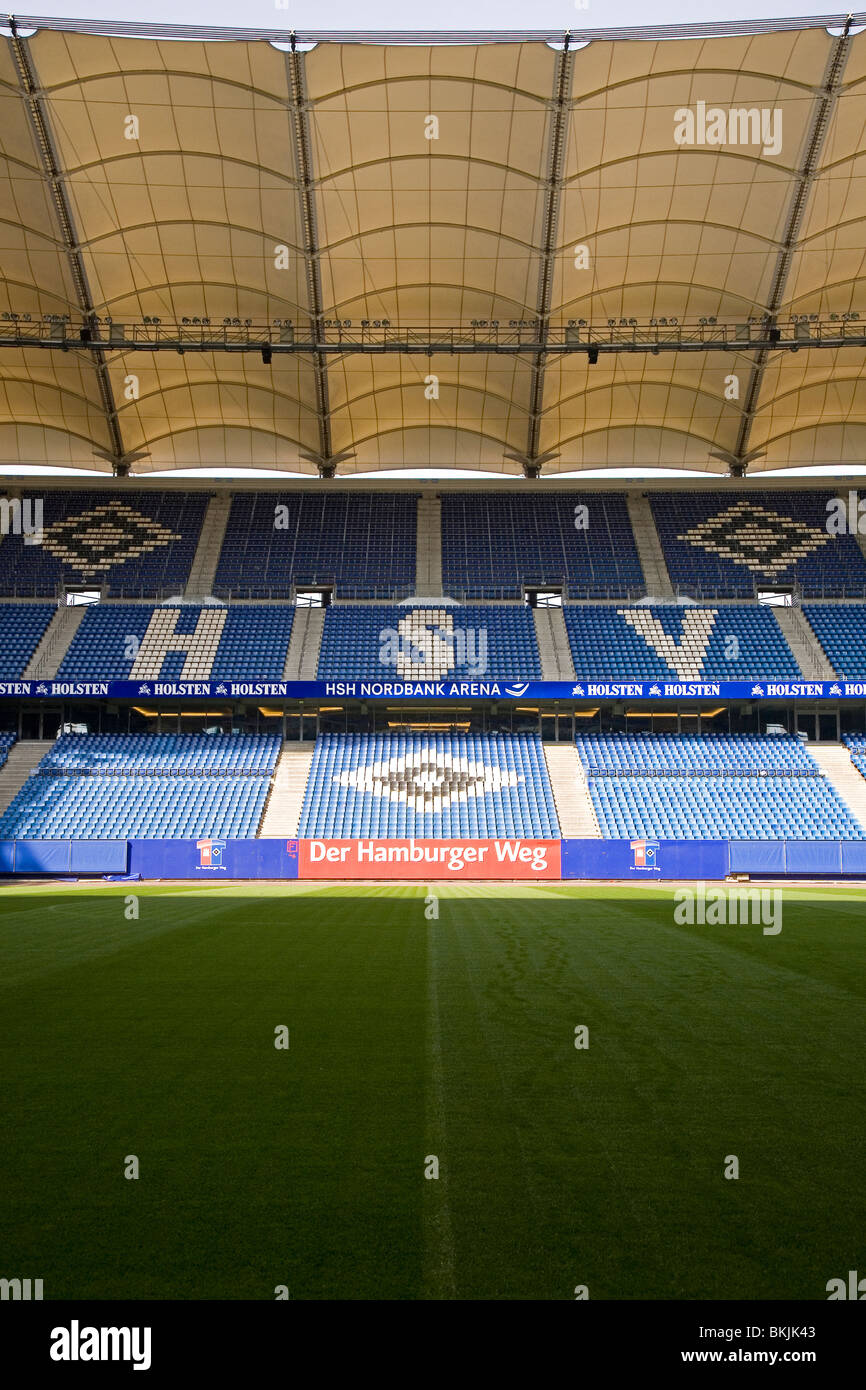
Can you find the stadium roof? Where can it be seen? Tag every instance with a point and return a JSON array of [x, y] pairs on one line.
[[701, 177]]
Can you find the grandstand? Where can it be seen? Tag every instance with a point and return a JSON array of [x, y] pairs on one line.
[[841, 631], [653, 642], [144, 786], [721, 545], [350, 694], [22, 626], [408, 591], [425, 642], [131, 542], [431, 557], [362, 545], [493, 545], [434, 787], [142, 642], [715, 787]]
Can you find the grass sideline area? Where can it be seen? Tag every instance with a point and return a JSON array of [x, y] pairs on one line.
[[154, 1036]]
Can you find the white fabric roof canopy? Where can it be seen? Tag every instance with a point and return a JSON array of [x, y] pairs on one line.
[[242, 148]]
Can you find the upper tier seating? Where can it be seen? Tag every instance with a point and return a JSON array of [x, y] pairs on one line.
[[135, 542], [364, 542], [428, 786], [841, 631], [494, 543], [423, 642], [22, 626], [145, 786], [715, 786], [189, 642], [670, 642], [723, 544]]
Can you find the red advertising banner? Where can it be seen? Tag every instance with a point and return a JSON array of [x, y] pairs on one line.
[[428, 859]]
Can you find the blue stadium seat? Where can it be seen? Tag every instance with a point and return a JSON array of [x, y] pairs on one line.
[[145, 786], [493, 543], [856, 744], [841, 631], [428, 786], [363, 541], [233, 643], [422, 642], [22, 626], [6, 742], [712, 786], [135, 542], [724, 544], [672, 642]]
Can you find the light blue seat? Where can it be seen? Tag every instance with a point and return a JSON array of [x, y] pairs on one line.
[[686, 786], [428, 786], [142, 786]]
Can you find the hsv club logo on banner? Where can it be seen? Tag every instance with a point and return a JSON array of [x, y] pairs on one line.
[[425, 859], [210, 853], [645, 854]]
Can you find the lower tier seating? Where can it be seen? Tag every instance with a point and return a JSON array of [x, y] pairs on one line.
[[720, 808], [143, 808], [154, 755], [142, 786], [686, 787], [428, 786], [731, 755]]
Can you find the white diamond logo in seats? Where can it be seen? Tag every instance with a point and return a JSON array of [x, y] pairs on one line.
[[764, 541], [91, 542], [427, 781]]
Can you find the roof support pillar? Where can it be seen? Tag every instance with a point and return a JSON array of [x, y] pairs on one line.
[[554, 164], [46, 151], [299, 115], [741, 457]]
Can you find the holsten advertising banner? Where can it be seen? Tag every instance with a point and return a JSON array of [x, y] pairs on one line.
[[433, 690], [423, 859]]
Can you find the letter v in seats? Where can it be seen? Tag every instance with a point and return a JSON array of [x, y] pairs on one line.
[[687, 656]]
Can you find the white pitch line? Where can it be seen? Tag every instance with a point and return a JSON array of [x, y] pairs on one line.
[[439, 1258]]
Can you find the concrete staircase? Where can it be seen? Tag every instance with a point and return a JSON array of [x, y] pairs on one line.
[[808, 652], [655, 571], [203, 570], [553, 648], [428, 558], [574, 808], [23, 758], [835, 762], [282, 813], [55, 643], [302, 658]]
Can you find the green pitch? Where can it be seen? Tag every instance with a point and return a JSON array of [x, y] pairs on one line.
[[413, 1039]]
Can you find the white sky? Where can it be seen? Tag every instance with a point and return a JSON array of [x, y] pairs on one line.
[[430, 14]]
